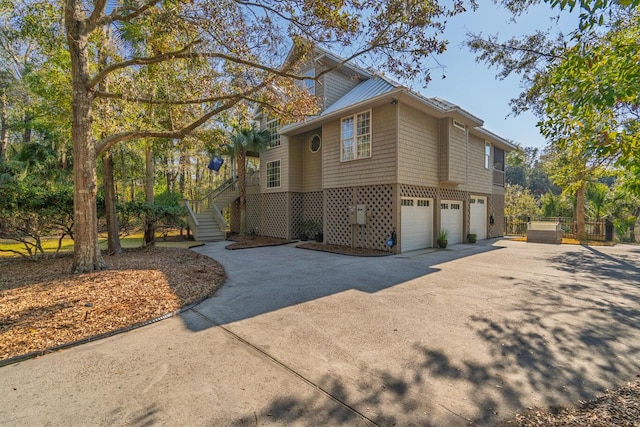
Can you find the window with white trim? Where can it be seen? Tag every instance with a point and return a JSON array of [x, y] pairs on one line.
[[274, 137], [355, 134], [314, 143], [273, 174], [487, 155], [310, 84]]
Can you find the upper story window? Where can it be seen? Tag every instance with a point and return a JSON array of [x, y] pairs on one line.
[[498, 159], [355, 136], [310, 84], [487, 155], [274, 137], [273, 174]]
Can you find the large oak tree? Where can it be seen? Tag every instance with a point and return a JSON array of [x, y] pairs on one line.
[[217, 55]]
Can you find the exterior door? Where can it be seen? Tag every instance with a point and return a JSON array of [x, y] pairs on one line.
[[478, 213], [416, 224], [451, 220]]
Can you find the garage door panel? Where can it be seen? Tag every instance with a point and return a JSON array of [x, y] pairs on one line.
[[451, 220], [478, 214], [416, 224]]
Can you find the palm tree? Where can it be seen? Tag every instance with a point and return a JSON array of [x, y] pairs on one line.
[[243, 140]]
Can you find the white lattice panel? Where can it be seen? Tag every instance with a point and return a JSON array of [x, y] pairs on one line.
[[273, 222]]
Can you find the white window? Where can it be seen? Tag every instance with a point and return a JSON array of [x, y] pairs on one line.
[[310, 84], [407, 202], [455, 206], [423, 203], [273, 174], [487, 155], [274, 136], [356, 136]]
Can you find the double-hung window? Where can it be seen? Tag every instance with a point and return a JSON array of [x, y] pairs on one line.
[[487, 155], [310, 83], [355, 136], [274, 137], [273, 174]]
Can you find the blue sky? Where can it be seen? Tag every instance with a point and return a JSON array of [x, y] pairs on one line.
[[473, 85]]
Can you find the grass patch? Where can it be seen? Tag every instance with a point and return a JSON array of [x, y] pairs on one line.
[[50, 244], [567, 241]]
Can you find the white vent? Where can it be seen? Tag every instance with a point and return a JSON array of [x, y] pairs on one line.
[[459, 125]]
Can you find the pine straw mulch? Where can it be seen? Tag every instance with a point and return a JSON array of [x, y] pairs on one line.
[[620, 407], [247, 242], [43, 306]]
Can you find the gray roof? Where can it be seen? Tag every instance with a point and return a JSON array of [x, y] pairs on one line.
[[368, 89]]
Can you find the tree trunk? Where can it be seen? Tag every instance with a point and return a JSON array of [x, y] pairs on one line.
[[242, 190], [86, 253], [4, 128], [113, 228], [26, 132], [149, 223], [580, 216]]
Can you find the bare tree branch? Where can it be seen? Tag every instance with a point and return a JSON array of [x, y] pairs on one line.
[[109, 141], [120, 13], [141, 100], [99, 7]]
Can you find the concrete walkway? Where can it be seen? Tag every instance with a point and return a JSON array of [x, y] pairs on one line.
[[296, 337]]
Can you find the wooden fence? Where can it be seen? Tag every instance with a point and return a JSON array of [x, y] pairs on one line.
[[600, 230]]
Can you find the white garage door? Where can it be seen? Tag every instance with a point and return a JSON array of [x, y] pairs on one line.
[[478, 212], [416, 225], [451, 220]]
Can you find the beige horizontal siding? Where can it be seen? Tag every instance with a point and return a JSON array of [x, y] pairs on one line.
[[480, 179], [458, 152], [418, 149], [312, 163], [295, 165], [276, 153], [380, 168], [334, 86]]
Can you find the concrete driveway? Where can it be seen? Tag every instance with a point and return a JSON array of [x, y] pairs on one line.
[[464, 336]]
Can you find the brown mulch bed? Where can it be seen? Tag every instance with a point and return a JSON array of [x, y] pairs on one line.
[[247, 242], [343, 250], [42, 305]]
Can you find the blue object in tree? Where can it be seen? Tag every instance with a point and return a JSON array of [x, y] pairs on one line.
[[216, 163]]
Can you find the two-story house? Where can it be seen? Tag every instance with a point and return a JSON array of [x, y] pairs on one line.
[[379, 158]]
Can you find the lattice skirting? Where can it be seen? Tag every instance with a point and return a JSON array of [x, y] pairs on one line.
[[267, 213], [274, 219], [496, 208], [306, 207], [380, 216]]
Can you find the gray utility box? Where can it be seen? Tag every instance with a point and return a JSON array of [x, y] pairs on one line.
[[544, 232], [358, 215]]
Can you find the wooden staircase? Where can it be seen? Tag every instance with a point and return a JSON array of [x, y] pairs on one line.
[[208, 224]]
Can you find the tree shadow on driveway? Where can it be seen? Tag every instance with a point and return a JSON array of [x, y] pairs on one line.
[[571, 333]]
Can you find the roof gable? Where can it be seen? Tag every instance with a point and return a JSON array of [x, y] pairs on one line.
[[365, 91]]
